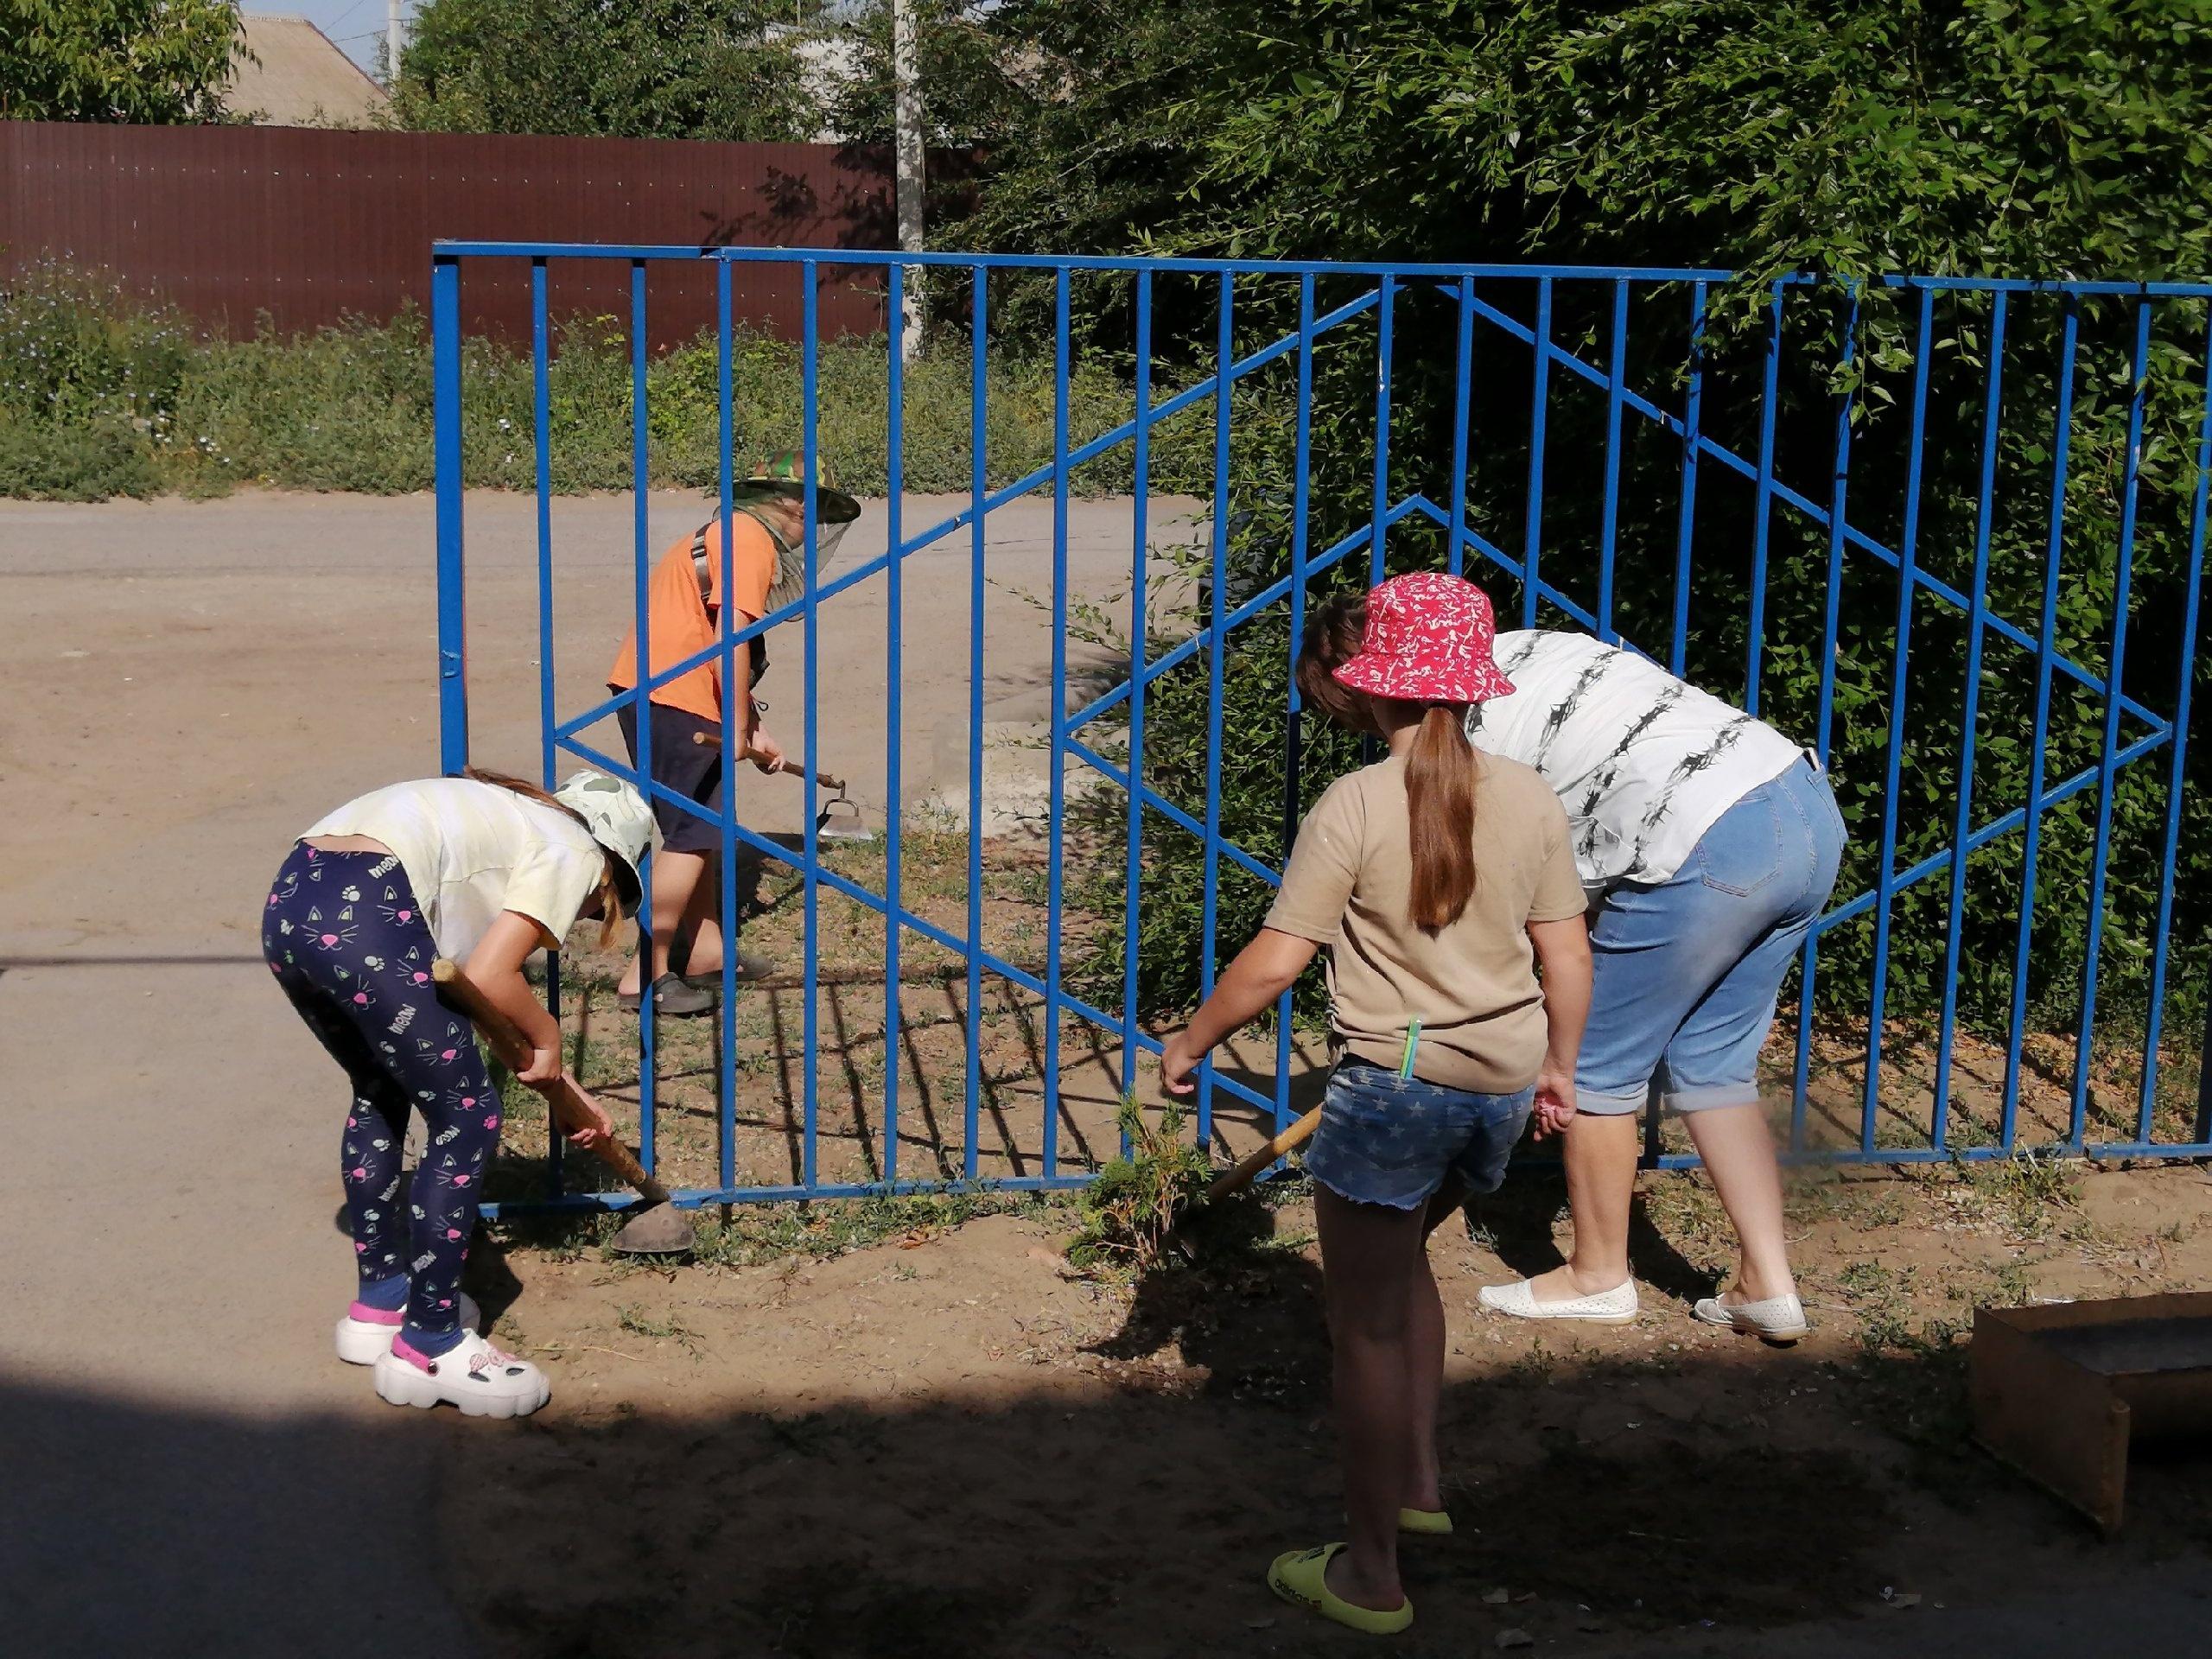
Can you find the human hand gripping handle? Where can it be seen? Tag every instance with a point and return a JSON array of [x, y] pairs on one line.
[[582, 1119], [1563, 951]]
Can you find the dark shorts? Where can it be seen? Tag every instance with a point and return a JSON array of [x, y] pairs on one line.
[[684, 767], [1395, 1140]]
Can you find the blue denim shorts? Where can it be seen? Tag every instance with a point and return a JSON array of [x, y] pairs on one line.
[[1385, 1139], [1687, 970]]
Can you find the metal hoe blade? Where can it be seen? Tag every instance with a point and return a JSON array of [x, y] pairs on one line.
[[660, 1230]]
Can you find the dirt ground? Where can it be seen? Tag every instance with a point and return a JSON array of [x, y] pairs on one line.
[[864, 1430], [950, 1442]]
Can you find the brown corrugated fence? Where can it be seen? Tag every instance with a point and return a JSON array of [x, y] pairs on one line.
[[309, 227]]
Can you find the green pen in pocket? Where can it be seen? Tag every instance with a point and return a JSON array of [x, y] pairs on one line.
[[1413, 1042]]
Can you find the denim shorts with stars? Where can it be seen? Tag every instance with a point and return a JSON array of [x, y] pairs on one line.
[[1385, 1139]]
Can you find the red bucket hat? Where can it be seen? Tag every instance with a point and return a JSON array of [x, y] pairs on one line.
[[1428, 641]]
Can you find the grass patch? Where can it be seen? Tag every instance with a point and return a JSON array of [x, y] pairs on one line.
[[103, 394], [1128, 1212]]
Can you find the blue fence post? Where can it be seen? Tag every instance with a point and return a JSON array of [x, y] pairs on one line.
[[810, 461], [641, 574], [1685, 515], [2115, 677], [1539, 396], [452, 593], [1885, 877], [1378, 561], [2185, 681], [1763, 511], [894, 1024], [1462, 417], [734, 721], [1808, 957], [1962, 821], [1217, 635], [1300, 510], [1610, 519], [978, 463], [1057, 784], [1139, 627], [2046, 656], [548, 715]]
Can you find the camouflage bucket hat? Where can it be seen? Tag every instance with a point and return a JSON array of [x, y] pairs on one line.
[[784, 475], [619, 821]]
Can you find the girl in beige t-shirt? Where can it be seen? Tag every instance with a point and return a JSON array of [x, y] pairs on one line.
[[1438, 879]]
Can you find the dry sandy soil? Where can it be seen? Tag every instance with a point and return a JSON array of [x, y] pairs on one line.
[[950, 1441], [862, 1432]]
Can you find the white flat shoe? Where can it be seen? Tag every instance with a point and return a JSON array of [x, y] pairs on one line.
[[1614, 1307], [365, 1334], [1778, 1318]]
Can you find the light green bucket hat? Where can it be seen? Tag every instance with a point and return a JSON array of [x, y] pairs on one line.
[[785, 475], [619, 820]]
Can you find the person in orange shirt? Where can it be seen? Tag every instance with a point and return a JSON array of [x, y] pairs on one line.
[[767, 564]]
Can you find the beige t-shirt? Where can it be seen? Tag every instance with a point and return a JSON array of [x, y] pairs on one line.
[[471, 850], [1472, 984]]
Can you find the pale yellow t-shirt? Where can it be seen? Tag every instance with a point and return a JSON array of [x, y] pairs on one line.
[[471, 850], [1472, 984]]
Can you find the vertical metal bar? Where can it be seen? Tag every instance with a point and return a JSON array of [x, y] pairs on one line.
[[2109, 767], [1462, 419], [1377, 567], [810, 387], [1059, 778], [2185, 682], [894, 1024], [978, 483], [1139, 624], [1210, 918], [733, 721], [1977, 618], [1686, 519], [453, 592], [1533, 538], [1763, 510], [641, 571], [1885, 878], [542, 438], [1301, 503], [1610, 519], [1839, 495], [548, 713], [2046, 656]]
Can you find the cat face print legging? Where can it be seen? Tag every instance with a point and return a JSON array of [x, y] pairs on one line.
[[347, 942]]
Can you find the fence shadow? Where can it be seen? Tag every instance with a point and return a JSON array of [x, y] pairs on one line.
[[1088, 1517]]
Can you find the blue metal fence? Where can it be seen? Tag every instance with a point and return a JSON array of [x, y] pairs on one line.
[[1590, 552]]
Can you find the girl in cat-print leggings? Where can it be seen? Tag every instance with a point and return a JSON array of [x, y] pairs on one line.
[[352, 951], [485, 870]]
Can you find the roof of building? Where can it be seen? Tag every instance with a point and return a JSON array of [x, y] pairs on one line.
[[301, 79]]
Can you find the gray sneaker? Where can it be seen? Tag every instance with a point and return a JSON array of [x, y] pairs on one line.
[[678, 998]]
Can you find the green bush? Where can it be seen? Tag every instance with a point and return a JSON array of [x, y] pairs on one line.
[[104, 395]]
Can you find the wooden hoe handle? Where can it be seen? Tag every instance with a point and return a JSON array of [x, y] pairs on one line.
[[567, 1099], [1296, 1135], [790, 768]]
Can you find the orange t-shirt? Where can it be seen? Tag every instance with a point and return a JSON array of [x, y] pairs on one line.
[[678, 623]]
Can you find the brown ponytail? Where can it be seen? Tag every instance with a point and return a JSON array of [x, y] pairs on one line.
[[1441, 806], [1334, 631], [610, 892]]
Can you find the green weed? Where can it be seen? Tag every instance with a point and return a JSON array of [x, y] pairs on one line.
[[1127, 1213]]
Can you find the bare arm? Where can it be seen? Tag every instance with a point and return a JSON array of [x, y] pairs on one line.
[[495, 966], [1263, 970], [1563, 951]]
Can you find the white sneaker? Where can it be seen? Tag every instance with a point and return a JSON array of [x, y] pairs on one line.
[[471, 1374], [1776, 1319], [365, 1334], [1614, 1307]]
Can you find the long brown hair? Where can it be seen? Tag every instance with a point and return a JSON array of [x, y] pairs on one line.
[[1441, 770], [610, 890]]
